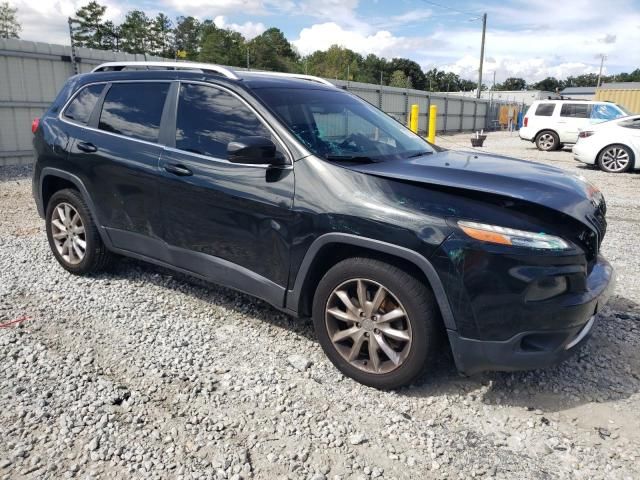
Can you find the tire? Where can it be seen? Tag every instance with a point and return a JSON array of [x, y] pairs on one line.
[[67, 215], [616, 158], [547, 141], [404, 294]]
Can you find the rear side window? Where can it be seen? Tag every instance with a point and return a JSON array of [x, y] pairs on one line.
[[134, 109], [209, 118], [545, 109], [81, 107], [575, 110]]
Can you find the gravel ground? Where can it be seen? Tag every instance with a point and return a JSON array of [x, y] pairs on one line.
[[144, 373]]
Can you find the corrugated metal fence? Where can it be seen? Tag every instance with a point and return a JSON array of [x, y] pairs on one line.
[[32, 73], [455, 113]]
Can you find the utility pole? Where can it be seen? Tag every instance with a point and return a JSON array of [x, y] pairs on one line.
[[494, 80], [484, 31], [248, 64], [73, 47], [602, 59]]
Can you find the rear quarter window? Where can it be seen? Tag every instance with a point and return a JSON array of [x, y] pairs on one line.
[[82, 105], [545, 109]]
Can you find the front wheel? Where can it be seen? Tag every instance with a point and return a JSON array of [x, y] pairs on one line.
[[377, 323], [615, 159]]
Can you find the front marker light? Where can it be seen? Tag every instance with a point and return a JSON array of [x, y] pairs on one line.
[[511, 236]]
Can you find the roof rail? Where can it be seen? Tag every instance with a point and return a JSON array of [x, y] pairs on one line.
[[205, 67], [293, 75]]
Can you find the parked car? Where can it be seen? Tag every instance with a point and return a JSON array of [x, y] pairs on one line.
[[553, 123], [300, 193], [613, 146]]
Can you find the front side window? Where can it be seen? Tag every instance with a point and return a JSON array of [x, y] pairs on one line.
[[545, 109], [604, 112], [209, 118], [81, 107], [338, 126], [575, 110], [134, 109]]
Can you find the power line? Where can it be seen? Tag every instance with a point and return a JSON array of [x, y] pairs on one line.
[[446, 7]]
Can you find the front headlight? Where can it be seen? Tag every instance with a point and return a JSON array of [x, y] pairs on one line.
[[511, 236]]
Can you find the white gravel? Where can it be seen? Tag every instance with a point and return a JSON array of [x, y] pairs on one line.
[[144, 373]]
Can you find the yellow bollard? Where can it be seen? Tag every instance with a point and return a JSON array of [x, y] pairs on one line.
[[414, 118], [433, 115]]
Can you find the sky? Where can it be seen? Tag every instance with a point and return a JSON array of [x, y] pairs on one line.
[[531, 39]]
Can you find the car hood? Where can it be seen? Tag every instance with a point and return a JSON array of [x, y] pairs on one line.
[[494, 174]]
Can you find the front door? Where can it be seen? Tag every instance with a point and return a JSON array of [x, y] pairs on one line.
[[225, 221]]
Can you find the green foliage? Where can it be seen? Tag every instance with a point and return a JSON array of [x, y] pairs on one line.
[[550, 84], [222, 46], [187, 36], [272, 51], [88, 26], [399, 79], [9, 25], [512, 83], [135, 32], [161, 39]]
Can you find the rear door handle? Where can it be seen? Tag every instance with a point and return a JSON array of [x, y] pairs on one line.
[[179, 170], [87, 147]]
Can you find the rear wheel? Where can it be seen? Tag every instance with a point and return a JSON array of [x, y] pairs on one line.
[[377, 323], [615, 159], [547, 141], [73, 235]]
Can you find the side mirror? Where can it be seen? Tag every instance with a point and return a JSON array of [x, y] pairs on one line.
[[254, 150]]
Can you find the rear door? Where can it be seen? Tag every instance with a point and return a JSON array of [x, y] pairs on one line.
[[118, 153], [573, 118], [225, 221]]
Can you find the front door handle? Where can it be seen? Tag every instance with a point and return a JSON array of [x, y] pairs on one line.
[[178, 169], [87, 147]]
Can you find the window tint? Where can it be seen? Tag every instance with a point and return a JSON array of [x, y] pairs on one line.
[[575, 110], [134, 109], [82, 105], [209, 118], [545, 109], [606, 112], [630, 123]]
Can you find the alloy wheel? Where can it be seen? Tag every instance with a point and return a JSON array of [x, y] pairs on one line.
[[368, 326], [68, 233], [615, 159], [546, 141]]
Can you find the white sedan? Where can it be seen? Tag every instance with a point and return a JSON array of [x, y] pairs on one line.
[[613, 146]]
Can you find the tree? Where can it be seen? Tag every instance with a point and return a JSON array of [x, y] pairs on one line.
[[187, 35], [9, 26], [550, 84], [221, 46], [411, 69], [336, 62], [110, 36], [162, 36], [135, 32], [88, 30], [371, 68], [399, 79], [587, 80], [512, 83], [272, 51]]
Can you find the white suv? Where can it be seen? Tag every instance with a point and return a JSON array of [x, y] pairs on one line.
[[552, 123]]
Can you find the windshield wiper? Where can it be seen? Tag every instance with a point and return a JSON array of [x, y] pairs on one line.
[[420, 154], [350, 158]]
